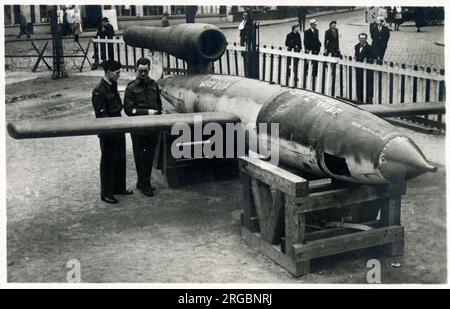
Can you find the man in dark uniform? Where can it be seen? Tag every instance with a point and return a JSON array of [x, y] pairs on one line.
[[301, 14], [107, 103], [142, 97], [293, 43], [105, 31], [312, 45], [380, 36], [364, 53]]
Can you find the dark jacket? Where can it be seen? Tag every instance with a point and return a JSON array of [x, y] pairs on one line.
[[293, 41], [379, 38], [365, 54], [312, 42], [106, 100], [142, 96], [331, 42], [105, 32]]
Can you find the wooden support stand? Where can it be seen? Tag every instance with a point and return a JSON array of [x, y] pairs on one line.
[[293, 220]]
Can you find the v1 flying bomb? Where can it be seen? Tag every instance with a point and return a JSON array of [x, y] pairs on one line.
[[317, 134]]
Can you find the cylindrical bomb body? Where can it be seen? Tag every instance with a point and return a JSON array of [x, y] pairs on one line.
[[317, 134], [194, 43]]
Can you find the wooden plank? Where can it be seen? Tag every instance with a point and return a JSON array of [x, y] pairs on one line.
[[274, 176], [342, 197], [385, 88], [294, 225], [309, 75], [390, 214], [408, 89], [269, 207], [260, 205], [319, 77], [300, 73], [353, 90], [348, 242], [376, 88], [255, 241], [364, 85], [248, 206], [345, 81]]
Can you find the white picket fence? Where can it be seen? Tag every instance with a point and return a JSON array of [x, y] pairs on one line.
[[389, 83]]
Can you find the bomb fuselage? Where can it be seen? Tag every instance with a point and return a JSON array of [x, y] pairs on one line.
[[317, 134]]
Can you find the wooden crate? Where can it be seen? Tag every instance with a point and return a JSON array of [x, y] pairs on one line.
[[292, 220]]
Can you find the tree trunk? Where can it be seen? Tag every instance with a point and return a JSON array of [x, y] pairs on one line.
[[59, 68]]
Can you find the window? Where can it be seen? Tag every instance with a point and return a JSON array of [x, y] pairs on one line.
[[177, 9], [107, 7], [152, 10], [44, 14], [8, 15], [126, 10]]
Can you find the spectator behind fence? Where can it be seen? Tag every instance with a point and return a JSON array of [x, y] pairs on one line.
[[419, 16], [363, 53], [398, 18], [245, 28], [65, 28], [293, 43], [312, 45], [105, 30], [312, 42], [301, 13], [76, 27], [165, 20], [331, 42], [23, 27], [380, 36]]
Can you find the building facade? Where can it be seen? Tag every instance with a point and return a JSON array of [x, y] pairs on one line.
[[92, 14]]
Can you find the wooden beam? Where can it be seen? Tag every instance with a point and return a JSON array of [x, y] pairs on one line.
[[254, 240], [274, 176], [348, 242], [343, 197]]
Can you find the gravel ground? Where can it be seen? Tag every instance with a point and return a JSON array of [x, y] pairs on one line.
[[190, 234]]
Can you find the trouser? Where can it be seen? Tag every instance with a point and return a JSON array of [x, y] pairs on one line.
[[314, 65], [301, 23], [23, 30], [112, 164], [144, 145]]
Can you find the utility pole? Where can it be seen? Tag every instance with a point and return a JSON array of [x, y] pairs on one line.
[[59, 68]]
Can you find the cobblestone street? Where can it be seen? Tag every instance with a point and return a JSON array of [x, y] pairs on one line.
[[405, 46]]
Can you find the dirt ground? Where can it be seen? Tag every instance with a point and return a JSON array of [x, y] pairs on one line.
[[191, 234]]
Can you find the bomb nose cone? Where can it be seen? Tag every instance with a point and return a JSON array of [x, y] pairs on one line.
[[401, 159]]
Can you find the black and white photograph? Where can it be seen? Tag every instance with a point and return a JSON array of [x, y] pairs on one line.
[[285, 143]]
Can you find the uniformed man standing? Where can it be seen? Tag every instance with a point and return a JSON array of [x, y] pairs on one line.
[[107, 103], [142, 97]]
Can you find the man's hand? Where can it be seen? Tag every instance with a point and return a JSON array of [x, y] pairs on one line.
[[152, 111]]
